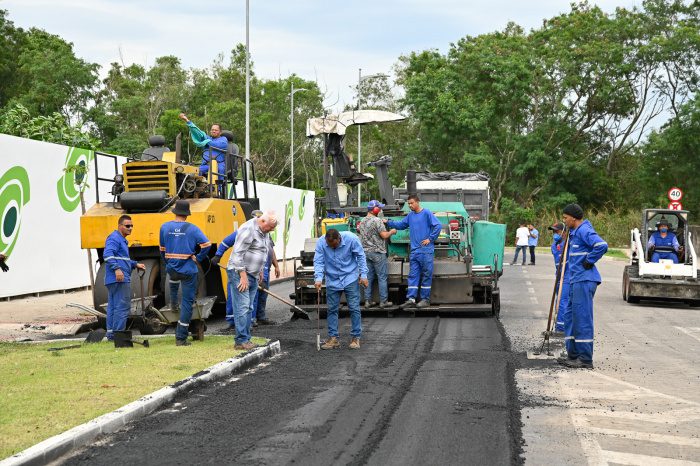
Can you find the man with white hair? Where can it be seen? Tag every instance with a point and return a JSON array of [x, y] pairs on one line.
[[249, 254]]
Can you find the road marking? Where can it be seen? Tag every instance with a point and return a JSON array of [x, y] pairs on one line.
[[533, 299], [528, 283], [633, 458], [688, 331], [531, 290]]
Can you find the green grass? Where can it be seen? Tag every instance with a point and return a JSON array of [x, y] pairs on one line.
[[617, 254], [45, 393]]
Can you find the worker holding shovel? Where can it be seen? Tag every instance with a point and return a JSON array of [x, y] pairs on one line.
[[118, 276]]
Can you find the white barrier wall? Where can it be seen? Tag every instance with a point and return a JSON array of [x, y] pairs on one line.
[[40, 214], [295, 216]]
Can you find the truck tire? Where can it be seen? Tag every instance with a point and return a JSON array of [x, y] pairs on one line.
[[631, 271]]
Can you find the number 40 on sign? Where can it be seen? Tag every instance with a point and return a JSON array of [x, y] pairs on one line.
[[675, 195]]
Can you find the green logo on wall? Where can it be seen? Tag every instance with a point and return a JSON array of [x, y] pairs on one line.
[[288, 215], [68, 187], [302, 205], [273, 235], [14, 195]]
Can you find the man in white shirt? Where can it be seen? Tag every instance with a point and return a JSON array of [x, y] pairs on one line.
[[522, 234]]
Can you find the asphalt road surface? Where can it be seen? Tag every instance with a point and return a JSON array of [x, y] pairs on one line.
[[446, 391]]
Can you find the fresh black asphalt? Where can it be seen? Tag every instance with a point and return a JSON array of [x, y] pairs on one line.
[[425, 390]]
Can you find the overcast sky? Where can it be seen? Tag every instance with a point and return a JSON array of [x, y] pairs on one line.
[[323, 40]]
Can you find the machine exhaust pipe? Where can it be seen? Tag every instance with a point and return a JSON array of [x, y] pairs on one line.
[[411, 186]]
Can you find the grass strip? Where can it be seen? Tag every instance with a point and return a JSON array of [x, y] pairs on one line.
[[45, 393]]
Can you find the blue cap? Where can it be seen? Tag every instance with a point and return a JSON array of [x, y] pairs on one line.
[[373, 203]]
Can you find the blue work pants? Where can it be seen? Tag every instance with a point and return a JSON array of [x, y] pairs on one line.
[[579, 329], [420, 275], [243, 302], [563, 314], [664, 255], [377, 266], [352, 295], [261, 300], [188, 283], [118, 307], [517, 251], [230, 319]]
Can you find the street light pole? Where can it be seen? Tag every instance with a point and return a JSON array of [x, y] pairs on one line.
[[359, 137], [291, 130], [361, 78], [247, 81]]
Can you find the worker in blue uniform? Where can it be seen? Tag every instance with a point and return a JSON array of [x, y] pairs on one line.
[[557, 250], [224, 246], [118, 275], [214, 146], [179, 242], [423, 229], [664, 243], [585, 249], [260, 305]]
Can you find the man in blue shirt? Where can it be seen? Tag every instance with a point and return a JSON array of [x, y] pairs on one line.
[[533, 236], [118, 276], [664, 243], [214, 147], [585, 249], [179, 241], [557, 251], [225, 244], [340, 258], [423, 229]]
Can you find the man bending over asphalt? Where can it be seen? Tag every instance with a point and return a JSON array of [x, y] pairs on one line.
[[340, 258]]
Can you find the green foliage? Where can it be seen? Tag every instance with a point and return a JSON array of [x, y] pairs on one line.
[[17, 121]]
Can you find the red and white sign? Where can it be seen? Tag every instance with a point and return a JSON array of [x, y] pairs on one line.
[[675, 205], [675, 195]]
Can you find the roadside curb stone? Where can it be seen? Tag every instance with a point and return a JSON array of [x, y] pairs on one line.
[[58, 445]]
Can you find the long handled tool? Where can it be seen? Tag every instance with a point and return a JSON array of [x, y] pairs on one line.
[[318, 320], [298, 313], [556, 296]]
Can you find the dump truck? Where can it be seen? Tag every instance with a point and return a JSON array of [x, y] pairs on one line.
[[469, 251], [146, 188], [643, 279]]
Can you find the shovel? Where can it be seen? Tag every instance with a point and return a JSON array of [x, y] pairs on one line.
[[298, 312], [95, 336]]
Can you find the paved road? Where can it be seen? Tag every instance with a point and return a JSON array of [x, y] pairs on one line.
[[641, 404], [447, 390], [420, 391]]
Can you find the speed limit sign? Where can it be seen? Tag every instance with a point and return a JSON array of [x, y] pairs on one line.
[[675, 194]]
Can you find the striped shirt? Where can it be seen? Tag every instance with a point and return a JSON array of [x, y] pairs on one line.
[[250, 249]]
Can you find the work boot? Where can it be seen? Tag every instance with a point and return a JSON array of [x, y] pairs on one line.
[[265, 322], [247, 346], [423, 304], [355, 343], [577, 364], [182, 343], [371, 304], [409, 303], [385, 304], [331, 343]]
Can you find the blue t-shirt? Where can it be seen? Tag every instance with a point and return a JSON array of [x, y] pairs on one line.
[[421, 226]]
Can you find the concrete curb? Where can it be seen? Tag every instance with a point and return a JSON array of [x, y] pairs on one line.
[[58, 445]]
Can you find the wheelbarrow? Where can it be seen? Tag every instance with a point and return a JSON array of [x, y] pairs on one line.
[[201, 310]]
